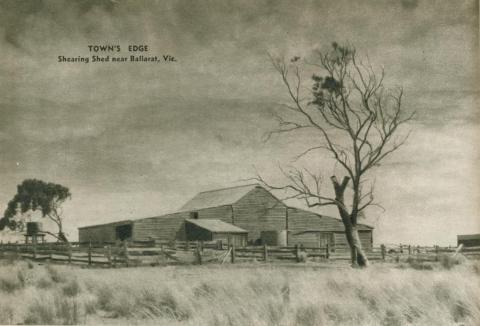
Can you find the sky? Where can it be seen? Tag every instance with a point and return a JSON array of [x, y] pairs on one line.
[[133, 140]]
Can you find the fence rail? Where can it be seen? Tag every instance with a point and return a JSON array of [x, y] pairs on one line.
[[178, 252]]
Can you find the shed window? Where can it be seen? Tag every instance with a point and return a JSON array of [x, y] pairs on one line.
[[194, 215]]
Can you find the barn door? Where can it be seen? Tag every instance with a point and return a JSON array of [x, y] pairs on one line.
[[123, 232]]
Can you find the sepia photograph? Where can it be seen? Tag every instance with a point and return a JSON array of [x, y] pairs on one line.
[[244, 162]]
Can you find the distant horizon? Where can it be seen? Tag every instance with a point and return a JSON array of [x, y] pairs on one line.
[[74, 237], [133, 139]]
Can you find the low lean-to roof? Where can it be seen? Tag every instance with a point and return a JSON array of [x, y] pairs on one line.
[[107, 224], [218, 197], [468, 237], [216, 226]]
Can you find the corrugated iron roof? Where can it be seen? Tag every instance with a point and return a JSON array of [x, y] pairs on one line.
[[216, 226], [218, 197], [105, 224]]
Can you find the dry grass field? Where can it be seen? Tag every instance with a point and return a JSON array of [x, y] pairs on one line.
[[255, 294]]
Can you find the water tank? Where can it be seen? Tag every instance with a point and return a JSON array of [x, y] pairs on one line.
[[34, 228], [274, 238], [282, 238]]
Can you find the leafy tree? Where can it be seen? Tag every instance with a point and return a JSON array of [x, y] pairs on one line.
[[352, 117], [37, 195]]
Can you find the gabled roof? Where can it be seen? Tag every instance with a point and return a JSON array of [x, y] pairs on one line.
[[216, 226], [218, 197]]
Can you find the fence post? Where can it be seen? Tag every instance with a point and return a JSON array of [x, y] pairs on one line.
[[198, 253], [125, 252], [232, 247], [401, 248], [115, 253], [327, 251], [109, 255], [297, 253], [187, 245], [436, 252], [89, 253], [409, 250], [34, 247], [69, 248], [383, 250], [265, 252], [17, 248], [50, 249]]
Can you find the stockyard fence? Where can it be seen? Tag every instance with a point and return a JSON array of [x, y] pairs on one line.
[[152, 253]]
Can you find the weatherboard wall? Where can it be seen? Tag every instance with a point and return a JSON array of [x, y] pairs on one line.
[[165, 228], [300, 220], [366, 239], [172, 226], [259, 211], [222, 213], [238, 239], [337, 240], [99, 233]]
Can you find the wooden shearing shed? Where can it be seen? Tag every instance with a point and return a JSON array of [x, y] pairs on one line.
[[243, 214]]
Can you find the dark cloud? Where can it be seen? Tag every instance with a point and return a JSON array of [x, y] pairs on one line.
[[14, 15], [409, 4], [114, 130]]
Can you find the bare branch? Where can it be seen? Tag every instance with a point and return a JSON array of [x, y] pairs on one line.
[[350, 100], [298, 184]]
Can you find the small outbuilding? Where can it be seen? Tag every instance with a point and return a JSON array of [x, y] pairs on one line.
[[468, 240], [215, 230]]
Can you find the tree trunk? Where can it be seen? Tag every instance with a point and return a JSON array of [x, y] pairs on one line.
[[359, 258], [60, 236], [353, 239]]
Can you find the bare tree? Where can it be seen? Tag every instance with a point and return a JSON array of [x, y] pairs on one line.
[[354, 118]]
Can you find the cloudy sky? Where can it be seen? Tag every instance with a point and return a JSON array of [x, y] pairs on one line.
[[139, 139]]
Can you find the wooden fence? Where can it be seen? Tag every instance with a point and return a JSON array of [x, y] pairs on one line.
[[181, 252]]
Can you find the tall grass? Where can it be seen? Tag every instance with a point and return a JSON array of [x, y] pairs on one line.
[[241, 295]]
